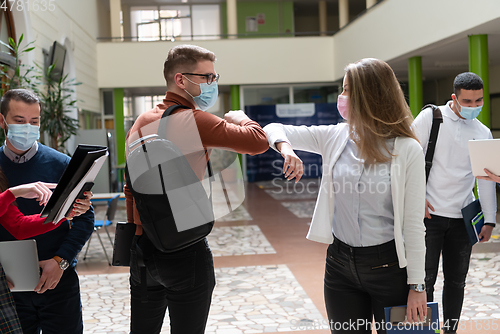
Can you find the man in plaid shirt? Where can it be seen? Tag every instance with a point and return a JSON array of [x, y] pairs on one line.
[[9, 322]]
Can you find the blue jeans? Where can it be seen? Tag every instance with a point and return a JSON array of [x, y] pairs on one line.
[[54, 311], [359, 283], [449, 237], [183, 281]]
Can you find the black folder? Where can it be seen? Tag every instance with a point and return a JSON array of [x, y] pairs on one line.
[[474, 220], [80, 164], [123, 242]]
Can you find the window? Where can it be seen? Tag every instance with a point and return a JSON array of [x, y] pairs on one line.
[[323, 94], [266, 96], [175, 22]]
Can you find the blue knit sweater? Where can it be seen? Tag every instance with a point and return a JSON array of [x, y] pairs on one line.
[[47, 165]]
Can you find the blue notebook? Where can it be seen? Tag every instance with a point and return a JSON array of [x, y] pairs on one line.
[[474, 220], [395, 320]]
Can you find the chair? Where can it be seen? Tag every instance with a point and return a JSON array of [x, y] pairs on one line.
[[108, 220]]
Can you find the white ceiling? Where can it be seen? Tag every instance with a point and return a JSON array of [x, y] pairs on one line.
[[449, 57]]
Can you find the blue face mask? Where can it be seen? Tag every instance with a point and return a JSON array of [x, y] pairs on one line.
[[208, 95], [469, 112], [22, 136]]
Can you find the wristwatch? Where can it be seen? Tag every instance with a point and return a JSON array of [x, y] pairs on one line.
[[63, 264], [417, 287]]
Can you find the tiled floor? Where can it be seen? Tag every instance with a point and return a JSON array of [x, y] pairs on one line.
[[269, 277]]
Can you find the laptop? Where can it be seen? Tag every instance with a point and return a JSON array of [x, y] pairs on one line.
[[19, 260], [484, 153]]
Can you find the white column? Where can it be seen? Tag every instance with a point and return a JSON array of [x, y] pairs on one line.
[[115, 9], [322, 17], [343, 13], [127, 29], [370, 3], [232, 18]]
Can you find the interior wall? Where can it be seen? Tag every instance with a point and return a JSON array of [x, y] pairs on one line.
[[239, 61], [103, 20], [278, 17], [495, 79], [76, 22]]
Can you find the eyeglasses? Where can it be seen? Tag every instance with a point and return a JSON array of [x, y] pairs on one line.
[[210, 77]]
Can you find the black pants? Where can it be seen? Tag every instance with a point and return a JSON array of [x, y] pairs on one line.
[[54, 311], [183, 281], [359, 283], [449, 237]]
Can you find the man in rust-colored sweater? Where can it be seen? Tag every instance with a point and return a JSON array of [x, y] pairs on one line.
[[187, 276]]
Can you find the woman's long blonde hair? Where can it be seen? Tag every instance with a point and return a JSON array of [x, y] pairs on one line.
[[377, 110]]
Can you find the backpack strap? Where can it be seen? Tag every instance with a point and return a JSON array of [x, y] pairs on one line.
[[437, 119], [162, 127]]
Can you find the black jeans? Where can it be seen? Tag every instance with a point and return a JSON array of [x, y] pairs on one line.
[[54, 311], [449, 237], [359, 283], [183, 281]]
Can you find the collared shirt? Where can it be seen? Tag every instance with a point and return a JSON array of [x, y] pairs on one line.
[[19, 159], [450, 183], [364, 212]]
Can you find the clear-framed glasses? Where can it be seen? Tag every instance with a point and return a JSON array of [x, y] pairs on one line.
[[211, 77]]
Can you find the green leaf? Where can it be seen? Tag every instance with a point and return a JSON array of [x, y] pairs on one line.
[[20, 39], [8, 46]]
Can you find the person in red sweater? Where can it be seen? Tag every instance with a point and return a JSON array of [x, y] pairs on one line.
[[23, 227]]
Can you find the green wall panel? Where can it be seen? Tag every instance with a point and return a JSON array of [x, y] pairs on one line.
[[278, 18]]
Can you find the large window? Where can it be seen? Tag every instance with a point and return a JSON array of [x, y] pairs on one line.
[[272, 95], [175, 22]]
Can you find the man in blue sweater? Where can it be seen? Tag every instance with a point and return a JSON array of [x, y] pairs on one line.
[[55, 306]]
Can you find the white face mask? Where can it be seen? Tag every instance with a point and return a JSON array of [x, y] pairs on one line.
[[208, 95], [469, 112], [22, 136]]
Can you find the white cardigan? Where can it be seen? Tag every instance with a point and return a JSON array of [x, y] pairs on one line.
[[407, 186]]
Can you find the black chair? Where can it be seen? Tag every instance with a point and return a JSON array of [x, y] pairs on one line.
[[108, 220]]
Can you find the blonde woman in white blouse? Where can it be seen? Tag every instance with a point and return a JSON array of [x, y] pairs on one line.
[[370, 207]]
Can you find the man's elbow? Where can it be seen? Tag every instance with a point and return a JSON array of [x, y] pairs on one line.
[[260, 147]]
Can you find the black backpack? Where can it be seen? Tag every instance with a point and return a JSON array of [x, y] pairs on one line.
[[437, 119], [172, 203]]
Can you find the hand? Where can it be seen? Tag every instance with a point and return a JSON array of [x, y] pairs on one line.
[[81, 206], [416, 308], [10, 284], [428, 207], [39, 190], [235, 116], [485, 233], [490, 177], [292, 166], [51, 274]]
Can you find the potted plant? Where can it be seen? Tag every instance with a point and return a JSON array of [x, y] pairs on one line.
[[57, 101]]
